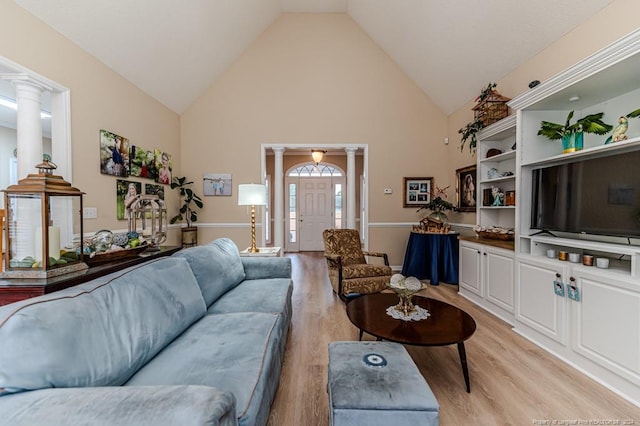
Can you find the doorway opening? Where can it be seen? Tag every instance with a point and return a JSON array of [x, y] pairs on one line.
[[313, 203]]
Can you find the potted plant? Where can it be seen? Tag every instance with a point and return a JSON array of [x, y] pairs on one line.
[[438, 205], [190, 202], [490, 107], [572, 134]]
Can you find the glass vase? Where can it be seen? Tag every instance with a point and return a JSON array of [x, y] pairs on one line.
[[572, 142]]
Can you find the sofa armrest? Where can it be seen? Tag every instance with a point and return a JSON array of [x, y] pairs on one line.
[[266, 267], [120, 405]]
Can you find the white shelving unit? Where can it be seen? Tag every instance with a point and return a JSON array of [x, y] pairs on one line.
[[486, 272], [597, 331], [501, 136]]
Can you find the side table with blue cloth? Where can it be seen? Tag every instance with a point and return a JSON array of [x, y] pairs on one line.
[[432, 256]]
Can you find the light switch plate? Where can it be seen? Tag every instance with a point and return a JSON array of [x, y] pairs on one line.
[[89, 213]]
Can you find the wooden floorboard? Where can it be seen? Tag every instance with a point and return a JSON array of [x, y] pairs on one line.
[[513, 382]]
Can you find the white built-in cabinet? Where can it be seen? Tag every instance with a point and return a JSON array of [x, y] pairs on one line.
[[486, 277], [587, 316]]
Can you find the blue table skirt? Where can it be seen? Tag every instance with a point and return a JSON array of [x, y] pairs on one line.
[[433, 257]]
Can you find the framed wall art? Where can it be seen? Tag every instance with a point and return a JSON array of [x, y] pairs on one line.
[[114, 154], [466, 188], [417, 191], [217, 184]]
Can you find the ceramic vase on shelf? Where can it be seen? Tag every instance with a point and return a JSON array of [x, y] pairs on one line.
[[572, 142]]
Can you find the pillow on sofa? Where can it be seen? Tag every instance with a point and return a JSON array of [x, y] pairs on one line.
[[217, 267], [101, 335]]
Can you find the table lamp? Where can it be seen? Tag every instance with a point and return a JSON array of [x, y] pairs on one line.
[[251, 194]]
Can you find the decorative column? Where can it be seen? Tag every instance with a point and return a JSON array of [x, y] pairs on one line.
[[278, 198], [351, 187], [29, 149], [29, 122]]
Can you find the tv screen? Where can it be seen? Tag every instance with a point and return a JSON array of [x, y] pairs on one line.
[[594, 196]]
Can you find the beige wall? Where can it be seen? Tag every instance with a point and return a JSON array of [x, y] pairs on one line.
[[100, 99], [316, 78]]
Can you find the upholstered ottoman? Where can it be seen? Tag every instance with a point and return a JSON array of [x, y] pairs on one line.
[[377, 383]]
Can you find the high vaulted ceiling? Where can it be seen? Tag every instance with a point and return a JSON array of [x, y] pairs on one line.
[[174, 50]]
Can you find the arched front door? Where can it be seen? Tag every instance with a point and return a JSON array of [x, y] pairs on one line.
[[313, 195]]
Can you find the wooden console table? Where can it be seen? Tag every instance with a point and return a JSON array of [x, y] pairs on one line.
[[13, 290]]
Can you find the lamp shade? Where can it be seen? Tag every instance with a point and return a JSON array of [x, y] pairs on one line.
[[252, 194]]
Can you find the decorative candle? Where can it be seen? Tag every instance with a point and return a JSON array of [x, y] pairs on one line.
[[54, 243]]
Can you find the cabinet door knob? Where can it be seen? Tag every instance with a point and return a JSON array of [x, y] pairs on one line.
[[484, 254], [557, 275]]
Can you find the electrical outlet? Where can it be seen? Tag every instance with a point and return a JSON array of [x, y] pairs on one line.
[[388, 191], [89, 213]]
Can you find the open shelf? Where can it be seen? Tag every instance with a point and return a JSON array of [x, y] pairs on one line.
[[500, 157], [600, 150]]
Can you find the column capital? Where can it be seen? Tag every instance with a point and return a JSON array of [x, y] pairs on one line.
[[26, 80], [351, 149]]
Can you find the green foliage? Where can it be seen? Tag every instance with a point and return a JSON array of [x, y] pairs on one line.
[[591, 123], [187, 212], [438, 204], [469, 132], [634, 114]]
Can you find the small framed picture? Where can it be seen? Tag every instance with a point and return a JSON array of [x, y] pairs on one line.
[[466, 188], [417, 191]]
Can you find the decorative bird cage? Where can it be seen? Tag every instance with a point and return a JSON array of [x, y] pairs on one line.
[[44, 217], [148, 217], [491, 107]]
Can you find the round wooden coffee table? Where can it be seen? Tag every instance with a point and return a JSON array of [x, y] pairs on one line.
[[447, 325]]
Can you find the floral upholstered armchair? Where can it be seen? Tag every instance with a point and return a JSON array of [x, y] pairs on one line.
[[349, 272]]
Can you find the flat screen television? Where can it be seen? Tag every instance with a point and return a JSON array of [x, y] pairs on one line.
[[593, 196]]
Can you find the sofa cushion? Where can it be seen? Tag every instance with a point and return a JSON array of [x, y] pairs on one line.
[[271, 295], [217, 267], [268, 295], [239, 352], [116, 405], [101, 335]]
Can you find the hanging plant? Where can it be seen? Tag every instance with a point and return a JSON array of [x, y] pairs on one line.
[[490, 107], [469, 132]]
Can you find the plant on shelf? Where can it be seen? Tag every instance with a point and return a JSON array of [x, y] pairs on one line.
[[490, 107], [572, 134], [620, 131], [469, 132], [188, 211]]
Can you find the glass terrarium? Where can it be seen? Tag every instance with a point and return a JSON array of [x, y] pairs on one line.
[[148, 218], [44, 217]]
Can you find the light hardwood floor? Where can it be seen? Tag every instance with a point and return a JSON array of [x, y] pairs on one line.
[[513, 382]]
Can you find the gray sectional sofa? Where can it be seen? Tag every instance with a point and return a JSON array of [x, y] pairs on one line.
[[197, 338]]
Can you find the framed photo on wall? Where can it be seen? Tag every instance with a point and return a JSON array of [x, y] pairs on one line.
[[417, 191], [466, 188]]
